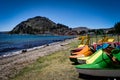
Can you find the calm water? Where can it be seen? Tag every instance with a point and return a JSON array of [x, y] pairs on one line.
[[10, 43]]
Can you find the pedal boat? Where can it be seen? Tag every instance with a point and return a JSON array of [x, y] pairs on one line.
[[106, 65]]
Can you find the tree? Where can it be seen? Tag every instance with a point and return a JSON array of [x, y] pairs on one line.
[[111, 31], [117, 27], [99, 32], [82, 32]]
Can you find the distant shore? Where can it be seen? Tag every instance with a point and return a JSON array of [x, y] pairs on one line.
[[9, 66]]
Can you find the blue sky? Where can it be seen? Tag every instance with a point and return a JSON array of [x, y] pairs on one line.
[[73, 13]]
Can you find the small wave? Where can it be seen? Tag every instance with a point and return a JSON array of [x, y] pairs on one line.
[[16, 43], [9, 54]]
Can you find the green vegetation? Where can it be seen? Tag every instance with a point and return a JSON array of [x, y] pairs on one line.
[[56, 66]]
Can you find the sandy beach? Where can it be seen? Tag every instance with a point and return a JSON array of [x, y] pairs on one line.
[[10, 66]]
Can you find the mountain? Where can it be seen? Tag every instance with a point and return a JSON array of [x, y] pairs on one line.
[[4, 32], [42, 25], [84, 30], [80, 29]]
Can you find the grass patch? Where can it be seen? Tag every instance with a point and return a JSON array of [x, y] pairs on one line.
[[56, 66]]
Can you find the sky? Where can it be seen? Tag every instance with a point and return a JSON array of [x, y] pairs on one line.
[[93, 14]]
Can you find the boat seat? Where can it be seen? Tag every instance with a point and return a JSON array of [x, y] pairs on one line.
[[92, 48], [109, 52]]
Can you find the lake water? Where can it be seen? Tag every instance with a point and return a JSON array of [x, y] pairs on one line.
[[11, 43]]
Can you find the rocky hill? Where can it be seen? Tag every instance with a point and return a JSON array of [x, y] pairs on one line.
[[42, 25]]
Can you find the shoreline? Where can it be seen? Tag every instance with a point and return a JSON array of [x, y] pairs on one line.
[[10, 54], [9, 66]]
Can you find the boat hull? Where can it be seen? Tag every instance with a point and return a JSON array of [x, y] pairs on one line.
[[100, 72]]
